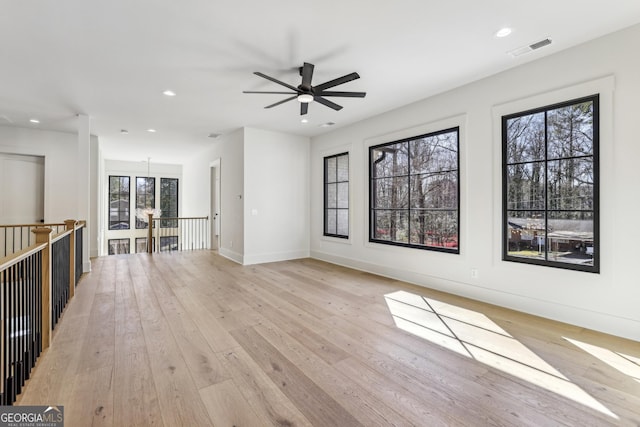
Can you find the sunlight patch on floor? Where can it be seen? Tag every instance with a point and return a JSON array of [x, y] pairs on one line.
[[626, 364], [474, 335]]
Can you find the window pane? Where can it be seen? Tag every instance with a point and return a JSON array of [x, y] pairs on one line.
[[439, 190], [331, 169], [343, 168], [526, 138], [343, 195], [570, 131], [435, 153], [332, 195], [571, 237], [118, 202], [169, 202], [391, 193], [331, 222], [168, 243], [570, 184], [391, 225], [526, 234], [118, 246], [525, 186], [390, 160], [145, 197], [343, 222], [434, 228]]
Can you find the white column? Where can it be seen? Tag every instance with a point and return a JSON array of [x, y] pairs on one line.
[[83, 180]]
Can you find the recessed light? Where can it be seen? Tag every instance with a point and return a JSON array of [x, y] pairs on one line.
[[34, 121], [304, 121], [213, 135], [169, 93], [124, 131], [503, 32], [151, 130], [326, 125]]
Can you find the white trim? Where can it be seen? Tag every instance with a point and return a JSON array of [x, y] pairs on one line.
[[603, 86]]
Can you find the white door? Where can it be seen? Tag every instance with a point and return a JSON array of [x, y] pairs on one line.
[[21, 189]]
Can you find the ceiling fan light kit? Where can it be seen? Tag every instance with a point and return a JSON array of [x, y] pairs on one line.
[[305, 93]]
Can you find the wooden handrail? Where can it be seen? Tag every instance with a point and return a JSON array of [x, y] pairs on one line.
[[178, 217], [61, 235], [38, 225], [16, 257]]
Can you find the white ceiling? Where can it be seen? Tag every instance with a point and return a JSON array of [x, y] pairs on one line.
[[112, 60]]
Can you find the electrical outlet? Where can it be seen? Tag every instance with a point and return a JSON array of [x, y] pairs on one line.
[[474, 273]]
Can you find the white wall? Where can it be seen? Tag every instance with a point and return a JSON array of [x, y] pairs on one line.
[[61, 174], [276, 178], [60, 152], [229, 149], [607, 301]]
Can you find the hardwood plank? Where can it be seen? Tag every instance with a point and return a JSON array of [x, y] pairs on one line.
[[227, 406], [316, 405], [261, 393]]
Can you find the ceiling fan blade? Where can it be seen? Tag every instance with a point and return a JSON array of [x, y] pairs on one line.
[[288, 86], [336, 82], [307, 74], [328, 103], [282, 102], [304, 108], [275, 93], [343, 94]]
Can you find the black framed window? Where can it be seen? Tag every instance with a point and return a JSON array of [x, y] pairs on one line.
[[118, 246], [145, 197], [414, 192], [336, 195], [141, 244], [169, 202], [119, 202], [550, 185], [168, 243]]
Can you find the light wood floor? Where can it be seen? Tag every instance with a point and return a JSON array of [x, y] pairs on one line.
[[192, 339]]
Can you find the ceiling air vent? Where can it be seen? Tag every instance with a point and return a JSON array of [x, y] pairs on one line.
[[526, 49]]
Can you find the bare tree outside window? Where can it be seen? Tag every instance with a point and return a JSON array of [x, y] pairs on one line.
[[119, 192], [414, 192], [145, 197]]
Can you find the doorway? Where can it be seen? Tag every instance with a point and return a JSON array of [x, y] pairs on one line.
[[215, 204], [21, 189]]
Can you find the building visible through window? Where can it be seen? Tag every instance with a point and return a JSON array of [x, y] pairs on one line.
[[550, 185]]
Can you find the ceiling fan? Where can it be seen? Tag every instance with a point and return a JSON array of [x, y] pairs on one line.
[[306, 93]]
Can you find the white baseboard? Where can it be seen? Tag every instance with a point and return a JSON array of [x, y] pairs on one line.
[[229, 254], [274, 257]]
